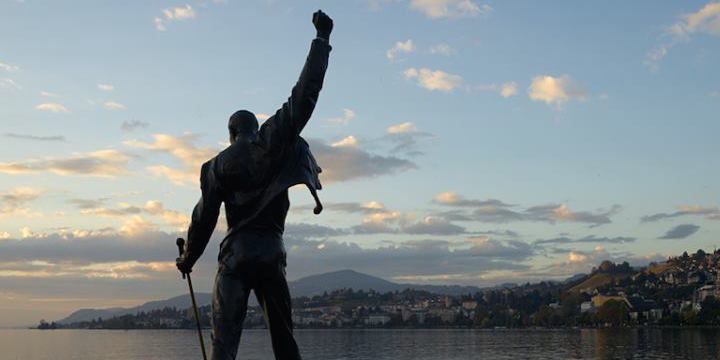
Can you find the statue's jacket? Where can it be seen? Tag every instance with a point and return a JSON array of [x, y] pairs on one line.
[[250, 173]]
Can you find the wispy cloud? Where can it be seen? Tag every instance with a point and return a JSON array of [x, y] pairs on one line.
[[105, 87], [680, 232], [112, 105], [35, 137], [13, 202], [8, 67], [182, 148], [496, 211], [53, 107], [343, 163], [103, 163], [506, 90], [405, 137], [704, 21], [6, 83], [433, 80], [132, 125], [347, 116], [400, 47], [348, 141], [437, 9], [442, 49], [563, 240], [179, 13], [48, 94], [710, 213]]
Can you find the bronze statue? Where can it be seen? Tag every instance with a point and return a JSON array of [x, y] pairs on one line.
[[252, 177]]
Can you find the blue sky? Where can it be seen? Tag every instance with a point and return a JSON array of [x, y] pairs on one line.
[[463, 141]]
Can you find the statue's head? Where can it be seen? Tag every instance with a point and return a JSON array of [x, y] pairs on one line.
[[242, 124]]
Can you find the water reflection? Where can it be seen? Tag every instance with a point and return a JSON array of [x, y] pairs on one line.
[[375, 344]]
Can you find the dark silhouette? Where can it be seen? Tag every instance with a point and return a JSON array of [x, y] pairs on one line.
[[252, 177]]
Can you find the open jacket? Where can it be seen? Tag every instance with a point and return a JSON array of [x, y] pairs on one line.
[[250, 173]]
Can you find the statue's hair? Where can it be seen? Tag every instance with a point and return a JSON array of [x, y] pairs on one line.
[[242, 122]]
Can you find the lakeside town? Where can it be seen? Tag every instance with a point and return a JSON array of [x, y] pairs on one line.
[[683, 291]]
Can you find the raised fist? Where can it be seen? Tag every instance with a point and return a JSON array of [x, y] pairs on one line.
[[323, 24]]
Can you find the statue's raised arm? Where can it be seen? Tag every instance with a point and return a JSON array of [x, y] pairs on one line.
[[290, 119]]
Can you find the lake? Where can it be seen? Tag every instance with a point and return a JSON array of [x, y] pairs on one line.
[[373, 344]]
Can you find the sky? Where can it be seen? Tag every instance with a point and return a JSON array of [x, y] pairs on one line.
[[462, 141]]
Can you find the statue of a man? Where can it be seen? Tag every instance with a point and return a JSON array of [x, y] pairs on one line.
[[252, 177]]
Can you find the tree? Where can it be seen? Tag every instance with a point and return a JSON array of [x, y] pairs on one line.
[[710, 311], [613, 312]]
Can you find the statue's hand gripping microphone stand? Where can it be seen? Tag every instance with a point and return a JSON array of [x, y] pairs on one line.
[[181, 246]]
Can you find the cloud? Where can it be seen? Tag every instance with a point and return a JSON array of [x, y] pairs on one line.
[[555, 90], [119, 212], [402, 128], [347, 116], [311, 231], [349, 207], [53, 107], [35, 137], [262, 117], [709, 213], [343, 163], [382, 222], [437, 80], [453, 199], [173, 14], [171, 217], [105, 87], [133, 125], [437, 9], [96, 254], [48, 94], [348, 141], [586, 239], [103, 163], [112, 105], [442, 49], [561, 212], [378, 219], [13, 202], [704, 21], [85, 204], [6, 83], [182, 148], [404, 137], [506, 90], [433, 225], [680, 232], [414, 260], [496, 211], [404, 47], [8, 67]]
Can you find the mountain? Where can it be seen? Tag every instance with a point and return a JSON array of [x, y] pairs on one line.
[[307, 286], [317, 284], [179, 302]]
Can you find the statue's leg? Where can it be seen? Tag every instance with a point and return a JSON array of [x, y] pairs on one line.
[[229, 306], [274, 297]]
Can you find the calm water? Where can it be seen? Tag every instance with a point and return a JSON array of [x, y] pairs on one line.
[[374, 344]]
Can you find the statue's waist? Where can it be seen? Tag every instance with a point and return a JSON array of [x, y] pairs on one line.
[[247, 245]]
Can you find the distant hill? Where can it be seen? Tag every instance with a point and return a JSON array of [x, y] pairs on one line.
[[317, 284], [180, 302], [607, 273], [307, 286]]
